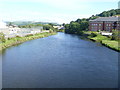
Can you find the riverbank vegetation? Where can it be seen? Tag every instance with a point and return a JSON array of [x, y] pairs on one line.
[[80, 27], [108, 41], [61, 30], [45, 26], [4, 43]]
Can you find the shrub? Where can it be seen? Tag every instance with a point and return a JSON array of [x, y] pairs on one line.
[[116, 35], [51, 31], [93, 35], [29, 35], [18, 36]]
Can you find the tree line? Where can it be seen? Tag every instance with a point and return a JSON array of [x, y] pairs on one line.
[[45, 26], [109, 13]]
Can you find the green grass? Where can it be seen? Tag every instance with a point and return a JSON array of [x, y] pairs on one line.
[[111, 44], [99, 38], [18, 40], [89, 32], [62, 30]]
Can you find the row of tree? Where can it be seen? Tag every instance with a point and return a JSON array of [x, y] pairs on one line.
[[109, 13], [45, 26], [76, 27]]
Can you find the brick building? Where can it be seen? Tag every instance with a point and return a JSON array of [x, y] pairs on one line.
[[105, 24]]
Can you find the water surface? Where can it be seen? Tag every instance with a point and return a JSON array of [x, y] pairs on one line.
[[60, 61]]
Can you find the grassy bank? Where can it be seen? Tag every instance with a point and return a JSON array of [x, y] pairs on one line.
[[61, 30], [17, 40], [111, 44], [104, 40]]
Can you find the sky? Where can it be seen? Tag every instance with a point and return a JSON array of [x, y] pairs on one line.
[[59, 11]]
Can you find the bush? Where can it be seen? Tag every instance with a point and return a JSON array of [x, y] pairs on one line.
[[116, 35], [18, 36], [93, 35], [29, 35], [51, 31], [9, 38]]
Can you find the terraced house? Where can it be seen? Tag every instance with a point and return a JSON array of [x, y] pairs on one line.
[[105, 24]]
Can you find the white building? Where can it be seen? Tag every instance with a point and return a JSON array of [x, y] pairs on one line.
[[59, 27], [14, 30]]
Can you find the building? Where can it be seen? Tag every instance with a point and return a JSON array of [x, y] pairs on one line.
[[59, 27], [13, 30], [105, 24]]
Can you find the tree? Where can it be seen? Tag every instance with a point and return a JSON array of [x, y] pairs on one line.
[[51, 24], [112, 13], [76, 27], [78, 20], [63, 24], [2, 37], [84, 26], [10, 23], [104, 14], [47, 27]]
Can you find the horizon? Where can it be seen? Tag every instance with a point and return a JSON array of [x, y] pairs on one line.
[[59, 11]]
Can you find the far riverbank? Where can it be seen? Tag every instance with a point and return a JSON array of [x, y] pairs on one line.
[[104, 40]]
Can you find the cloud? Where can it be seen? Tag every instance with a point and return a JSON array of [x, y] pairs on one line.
[[38, 16], [55, 1], [52, 10]]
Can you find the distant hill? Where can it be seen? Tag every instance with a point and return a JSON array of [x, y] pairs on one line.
[[109, 13], [20, 23]]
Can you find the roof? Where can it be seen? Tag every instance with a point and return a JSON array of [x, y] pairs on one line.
[[106, 19]]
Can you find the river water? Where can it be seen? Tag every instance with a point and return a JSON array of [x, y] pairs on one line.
[[59, 61]]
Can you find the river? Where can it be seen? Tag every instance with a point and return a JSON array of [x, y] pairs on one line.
[[59, 61]]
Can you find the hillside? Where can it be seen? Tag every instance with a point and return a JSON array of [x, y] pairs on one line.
[[109, 13]]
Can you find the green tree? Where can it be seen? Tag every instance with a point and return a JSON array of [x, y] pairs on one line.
[[2, 37], [113, 13], [63, 24], [78, 20], [104, 14]]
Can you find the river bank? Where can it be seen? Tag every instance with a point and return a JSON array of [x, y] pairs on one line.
[[104, 40], [17, 40]]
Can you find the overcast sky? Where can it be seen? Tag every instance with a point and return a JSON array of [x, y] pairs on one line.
[[60, 11]]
